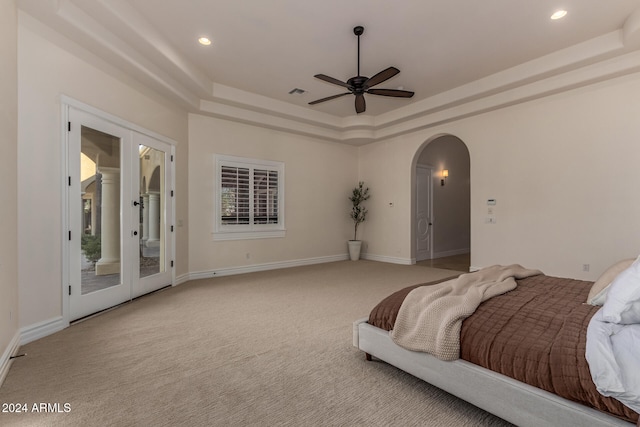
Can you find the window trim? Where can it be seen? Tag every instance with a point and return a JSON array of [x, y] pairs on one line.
[[249, 231]]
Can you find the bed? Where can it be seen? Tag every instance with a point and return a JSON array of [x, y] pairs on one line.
[[521, 355]]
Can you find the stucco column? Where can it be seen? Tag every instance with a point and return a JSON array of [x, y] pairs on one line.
[[145, 217], [109, 263], [154, 221]]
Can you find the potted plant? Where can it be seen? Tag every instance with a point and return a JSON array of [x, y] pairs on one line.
[[358, 215]]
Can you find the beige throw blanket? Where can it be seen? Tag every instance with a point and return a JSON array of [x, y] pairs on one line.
[[430, 317]]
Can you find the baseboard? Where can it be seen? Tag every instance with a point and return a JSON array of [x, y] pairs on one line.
[[453, 252], [5, 359], [228, 271], [41, 330], [384, 258], [181, 279]]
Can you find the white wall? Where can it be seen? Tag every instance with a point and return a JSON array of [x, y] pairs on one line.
[[563, 169], [8, 176], [319, 177], [49, 67], [386, 169]]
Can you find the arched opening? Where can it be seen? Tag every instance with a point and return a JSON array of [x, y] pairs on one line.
[[143, 185], [154, 181], [441, 213]]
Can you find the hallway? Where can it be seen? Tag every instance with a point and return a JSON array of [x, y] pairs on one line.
[[455, 262]]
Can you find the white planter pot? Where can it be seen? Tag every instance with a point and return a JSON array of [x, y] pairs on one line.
[[354, 249]]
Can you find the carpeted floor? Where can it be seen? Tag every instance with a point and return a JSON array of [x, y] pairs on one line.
[[262, 349]]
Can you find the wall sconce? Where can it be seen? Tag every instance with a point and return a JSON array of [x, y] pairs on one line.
[[445, 174]]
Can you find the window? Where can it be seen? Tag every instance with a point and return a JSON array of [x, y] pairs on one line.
[[249, 201]]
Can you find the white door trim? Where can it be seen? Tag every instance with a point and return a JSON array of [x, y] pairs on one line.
[[70, 102], [66, 103]]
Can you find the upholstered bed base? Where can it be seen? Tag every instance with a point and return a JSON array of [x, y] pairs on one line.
[[511, 400]]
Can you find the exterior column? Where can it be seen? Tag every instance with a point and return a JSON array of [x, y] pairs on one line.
[[109, 263], [145, 217], [154, 221]]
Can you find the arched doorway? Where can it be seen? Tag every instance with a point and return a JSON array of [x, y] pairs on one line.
[[441, 219]]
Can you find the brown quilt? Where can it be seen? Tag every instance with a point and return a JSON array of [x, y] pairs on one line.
[[535, 334]]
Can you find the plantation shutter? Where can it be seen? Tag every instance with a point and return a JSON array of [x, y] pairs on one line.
[[249, 198], [235, 195], [265, 196]]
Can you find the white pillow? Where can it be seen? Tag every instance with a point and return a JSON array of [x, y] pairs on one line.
[[613, 354], [599, 289], [600, 297], [622, 303]]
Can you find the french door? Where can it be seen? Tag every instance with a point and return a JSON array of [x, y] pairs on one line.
[[119, 213]]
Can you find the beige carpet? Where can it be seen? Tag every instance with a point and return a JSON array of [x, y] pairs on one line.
[[262, 349]]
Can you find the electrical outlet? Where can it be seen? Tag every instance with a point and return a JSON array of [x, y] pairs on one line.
[[585, 267]]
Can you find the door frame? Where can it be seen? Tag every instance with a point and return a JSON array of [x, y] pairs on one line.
[[66, 103]]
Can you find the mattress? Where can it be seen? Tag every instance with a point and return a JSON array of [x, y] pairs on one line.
[[535, 334]]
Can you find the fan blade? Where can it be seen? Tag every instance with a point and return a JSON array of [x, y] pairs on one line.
[[332, 80], [361, 106], [329, 98], [381, 76], [391, 92]]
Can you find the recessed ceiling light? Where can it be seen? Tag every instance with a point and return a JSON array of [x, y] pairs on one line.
[[559, 14], [204, 41]]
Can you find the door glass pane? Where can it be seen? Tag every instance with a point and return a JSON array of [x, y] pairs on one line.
[[235, 195], [100, 204], [152, 203]]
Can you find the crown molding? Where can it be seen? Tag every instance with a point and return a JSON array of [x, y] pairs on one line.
[[478, 98], [166, 71]]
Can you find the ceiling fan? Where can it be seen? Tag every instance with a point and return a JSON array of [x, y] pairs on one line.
[[359, 85]]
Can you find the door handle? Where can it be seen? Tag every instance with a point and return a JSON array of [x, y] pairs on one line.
[[135, 203], [135, 233]]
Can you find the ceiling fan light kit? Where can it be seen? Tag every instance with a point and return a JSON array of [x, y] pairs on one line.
[[359, 85]]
